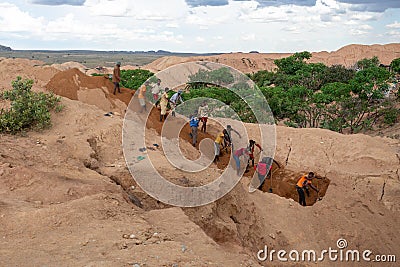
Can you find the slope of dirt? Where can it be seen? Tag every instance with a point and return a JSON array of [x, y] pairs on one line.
[[27, 69], [56, 210], [94, 90], [253, 62]]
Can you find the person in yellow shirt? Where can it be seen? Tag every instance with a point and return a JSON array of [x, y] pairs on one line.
[[142, 96], [163, 104], [302, 185], [217, 146]]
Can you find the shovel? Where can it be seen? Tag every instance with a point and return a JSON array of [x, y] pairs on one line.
[[270, 186]]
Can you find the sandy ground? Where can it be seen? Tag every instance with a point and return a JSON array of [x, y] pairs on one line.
[[68, 199]]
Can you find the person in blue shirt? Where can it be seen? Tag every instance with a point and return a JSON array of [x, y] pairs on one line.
[[173, 101], [194, 124]]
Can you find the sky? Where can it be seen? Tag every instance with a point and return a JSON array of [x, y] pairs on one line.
[[201, 26]]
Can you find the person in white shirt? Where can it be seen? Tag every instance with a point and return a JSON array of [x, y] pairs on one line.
[[203, 114], [174, 101], [156, 91]]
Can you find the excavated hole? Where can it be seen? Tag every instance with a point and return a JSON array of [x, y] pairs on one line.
[[283, 184]]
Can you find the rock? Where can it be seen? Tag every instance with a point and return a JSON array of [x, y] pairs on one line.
[[136, 265], [132, 236], [123, 246], [272, 236], [125, 236]]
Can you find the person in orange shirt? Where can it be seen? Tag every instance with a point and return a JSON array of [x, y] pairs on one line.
[[302, 185]]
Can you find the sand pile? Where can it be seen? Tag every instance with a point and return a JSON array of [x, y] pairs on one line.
[[93, 90], [253, 62], [27, 69], [70, 65]]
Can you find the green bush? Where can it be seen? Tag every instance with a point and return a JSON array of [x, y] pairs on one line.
[[29, 110], [133, 79], [390, 116]]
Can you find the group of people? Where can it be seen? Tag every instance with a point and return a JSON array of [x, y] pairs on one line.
[[160, 98], [223, 139]]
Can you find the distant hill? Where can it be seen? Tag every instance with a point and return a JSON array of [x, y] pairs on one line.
[[254, 61], [5, 48]]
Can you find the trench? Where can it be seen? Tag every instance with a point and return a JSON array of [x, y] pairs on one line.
[[231, 220]]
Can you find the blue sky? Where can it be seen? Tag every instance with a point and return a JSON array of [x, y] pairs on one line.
[[198, 25]]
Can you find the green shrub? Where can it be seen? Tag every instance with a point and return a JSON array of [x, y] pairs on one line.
[[390, 116], [133, 79], [29, 110]]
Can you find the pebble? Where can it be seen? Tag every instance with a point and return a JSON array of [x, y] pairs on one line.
[[183, 248], [132, 236], [136, 265]]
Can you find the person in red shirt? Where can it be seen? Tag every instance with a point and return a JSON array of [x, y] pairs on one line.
[[236, 156], [302, 185]]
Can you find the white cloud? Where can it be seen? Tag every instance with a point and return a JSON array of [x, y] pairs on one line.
[[366, 16], [365, 27], [12, 19], [266, 14], [172, 25], [154, 10], [357, 32], [394, 33], [249, 37], [200, 39], [395, 25]]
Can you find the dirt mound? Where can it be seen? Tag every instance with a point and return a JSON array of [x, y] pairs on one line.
[[94, 90], [253, 62], [70, 65], [27, 69]]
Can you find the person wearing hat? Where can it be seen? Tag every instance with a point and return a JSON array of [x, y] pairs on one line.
[[116, 78], [302, 185], [163, 104], [174, 101]]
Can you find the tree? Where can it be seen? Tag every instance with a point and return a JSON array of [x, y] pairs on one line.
[[368, 63], [220, 77], [293, 63], [395, 65]]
